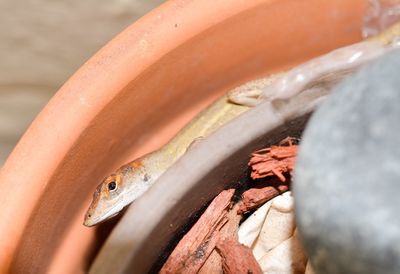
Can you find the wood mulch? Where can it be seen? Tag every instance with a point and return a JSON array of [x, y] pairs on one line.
[[211, 245]]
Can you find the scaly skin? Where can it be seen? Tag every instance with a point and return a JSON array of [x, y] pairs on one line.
[[131, 180], [134, 178]]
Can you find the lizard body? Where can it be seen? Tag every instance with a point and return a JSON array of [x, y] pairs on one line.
[[131, 180]]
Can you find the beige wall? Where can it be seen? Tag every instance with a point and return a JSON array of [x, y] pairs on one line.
[[42, 43]]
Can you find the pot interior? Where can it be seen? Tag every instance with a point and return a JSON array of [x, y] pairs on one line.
[[232, 172]]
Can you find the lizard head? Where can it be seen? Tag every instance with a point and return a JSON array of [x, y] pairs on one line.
[[117, 191]]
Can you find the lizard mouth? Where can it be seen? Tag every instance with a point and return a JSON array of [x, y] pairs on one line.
[[91, 222]]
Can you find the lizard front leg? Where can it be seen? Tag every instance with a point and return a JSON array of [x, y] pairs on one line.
[[250, 94], [245, 97]]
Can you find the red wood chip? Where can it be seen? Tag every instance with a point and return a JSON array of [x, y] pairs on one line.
[[195, 247], [229, 230], [237, 258], [256, 197]]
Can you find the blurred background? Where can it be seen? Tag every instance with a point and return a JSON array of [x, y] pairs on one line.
[[43, 43]]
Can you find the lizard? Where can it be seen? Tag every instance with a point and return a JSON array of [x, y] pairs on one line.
[[132, 180]]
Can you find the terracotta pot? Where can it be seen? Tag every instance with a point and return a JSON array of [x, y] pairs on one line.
[[131, 97]]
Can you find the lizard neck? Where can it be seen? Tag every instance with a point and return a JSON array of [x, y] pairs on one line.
[[146, 171], [151, 166], [205, 123]]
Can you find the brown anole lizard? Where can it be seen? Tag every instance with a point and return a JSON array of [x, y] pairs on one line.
[[130, 181]]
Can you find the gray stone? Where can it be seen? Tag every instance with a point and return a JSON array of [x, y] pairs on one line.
[[347, 178]]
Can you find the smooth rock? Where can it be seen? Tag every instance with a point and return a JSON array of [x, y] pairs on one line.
[[347, 177]]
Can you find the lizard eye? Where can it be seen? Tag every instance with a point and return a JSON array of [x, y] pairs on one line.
[[112, 186]]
